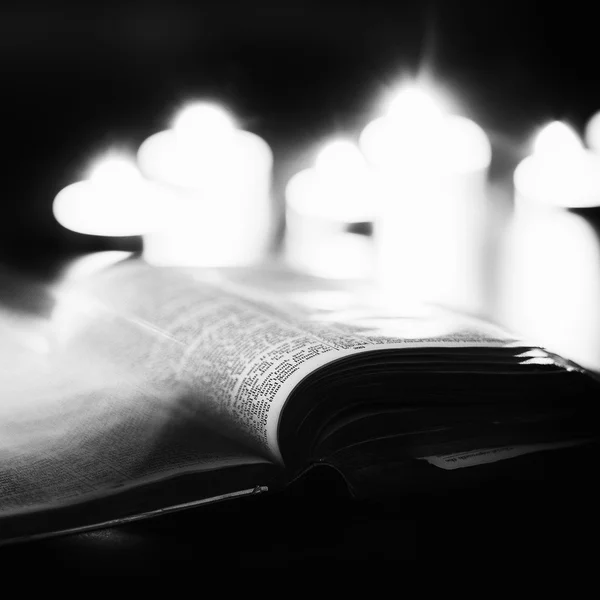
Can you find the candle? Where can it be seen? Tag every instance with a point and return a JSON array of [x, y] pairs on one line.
[[114, 200], [430, 228], [559, 173], [329, 211], [219, 178], [551, 271]]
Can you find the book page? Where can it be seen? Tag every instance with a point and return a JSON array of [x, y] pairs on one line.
[[75, 424], [238, 348]]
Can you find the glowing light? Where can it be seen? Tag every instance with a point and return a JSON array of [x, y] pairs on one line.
[[323, 203], [339, 187], [114, 201], [307, 193], [466, 147], [115, 171], [592, 132], [218, 178], [411, 133], [557, 139], [551, 284], [203, 121], [414, 105], [550, 277], [560, 172], [340, 158], [430, 228], [416, 135]]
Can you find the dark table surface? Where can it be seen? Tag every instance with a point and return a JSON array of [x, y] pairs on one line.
[[548, 512]]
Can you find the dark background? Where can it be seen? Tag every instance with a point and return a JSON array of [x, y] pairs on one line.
[[78, 77]]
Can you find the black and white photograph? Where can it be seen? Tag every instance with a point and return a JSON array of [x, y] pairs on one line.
[[297, 282]]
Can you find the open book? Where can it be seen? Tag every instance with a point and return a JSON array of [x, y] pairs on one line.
[[155, 389]]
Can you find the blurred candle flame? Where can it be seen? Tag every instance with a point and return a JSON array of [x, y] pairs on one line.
[[115, 171], [557, 139], [418, 135], [115, 200], [560, 171], [340, 158], [203, 128], [415, 111], [323, 202], [551, 265], [218, 180], [203, 119], [431, 224]]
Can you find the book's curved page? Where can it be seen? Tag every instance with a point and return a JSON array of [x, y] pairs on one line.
[[78, 423], [240, 342]]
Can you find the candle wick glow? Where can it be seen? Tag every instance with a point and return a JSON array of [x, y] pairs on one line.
[[557, 140], [414, 107], [559, 173], [203, 124], [417, 135], [340, 159], [114, 200], [218, 179], [115, 171]]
